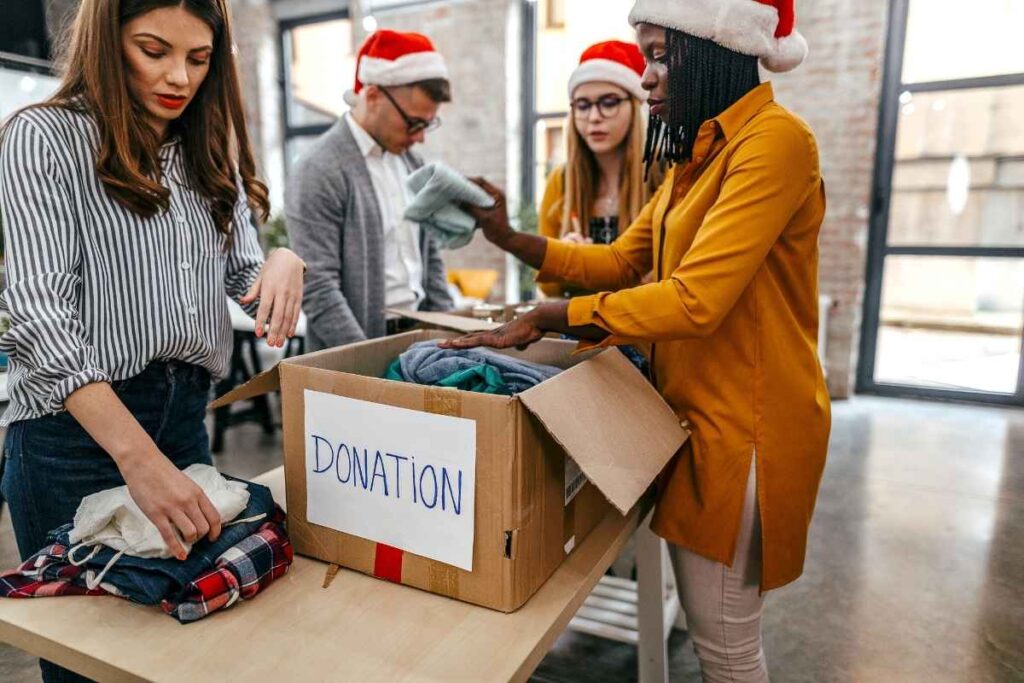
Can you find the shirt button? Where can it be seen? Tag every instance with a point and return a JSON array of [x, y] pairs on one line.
[[178, 217], [185, 265], [192, 310]]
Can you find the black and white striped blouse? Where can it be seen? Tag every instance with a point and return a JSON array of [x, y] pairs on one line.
[[94, 291]]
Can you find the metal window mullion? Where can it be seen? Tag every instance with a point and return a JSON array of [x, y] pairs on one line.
[[889, 389], [954, 251], [529, 101], [881, 193], [1000, 81]]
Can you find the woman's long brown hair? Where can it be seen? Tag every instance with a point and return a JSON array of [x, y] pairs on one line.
[[212, 128]]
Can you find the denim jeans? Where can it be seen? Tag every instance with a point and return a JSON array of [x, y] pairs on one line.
[[51, 462]]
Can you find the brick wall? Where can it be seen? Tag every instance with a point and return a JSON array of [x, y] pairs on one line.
[[254, 29], [837, 92]]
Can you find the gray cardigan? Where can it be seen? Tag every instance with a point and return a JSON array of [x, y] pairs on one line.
[[334, 225]]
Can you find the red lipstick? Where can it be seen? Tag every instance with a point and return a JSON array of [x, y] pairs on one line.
[[171, 101]]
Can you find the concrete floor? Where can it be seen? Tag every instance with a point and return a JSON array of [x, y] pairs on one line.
[[915, 569]]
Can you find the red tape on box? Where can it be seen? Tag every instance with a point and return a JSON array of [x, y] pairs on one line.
[[387, 563]]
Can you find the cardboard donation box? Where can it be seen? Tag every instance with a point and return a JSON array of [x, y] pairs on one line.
[[475, 496]]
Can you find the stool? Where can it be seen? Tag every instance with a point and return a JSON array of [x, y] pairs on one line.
[[246, 364], [242, 370], [641, 612]]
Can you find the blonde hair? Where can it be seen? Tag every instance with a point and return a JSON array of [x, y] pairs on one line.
[[581, 176]]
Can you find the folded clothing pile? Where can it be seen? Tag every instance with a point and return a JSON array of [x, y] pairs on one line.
[[479, 370], [252, 551]]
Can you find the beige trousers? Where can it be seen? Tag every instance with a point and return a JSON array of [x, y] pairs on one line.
[[723, 604]]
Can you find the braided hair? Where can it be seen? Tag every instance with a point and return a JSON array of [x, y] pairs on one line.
[[704, 79]]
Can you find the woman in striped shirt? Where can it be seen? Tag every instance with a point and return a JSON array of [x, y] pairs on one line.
[[126, 208]]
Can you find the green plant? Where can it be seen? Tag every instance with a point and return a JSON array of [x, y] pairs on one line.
[[527, 221], [274, 234]]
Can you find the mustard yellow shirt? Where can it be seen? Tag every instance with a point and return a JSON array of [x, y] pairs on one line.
[[549, 221], [732, 237]]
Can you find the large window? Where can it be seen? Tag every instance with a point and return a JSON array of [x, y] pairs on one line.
[[318, 59], [944, 308], [563, 29], [23, 81]]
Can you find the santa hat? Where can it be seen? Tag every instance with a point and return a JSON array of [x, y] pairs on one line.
[[390, 58], [761, 28], [614, 62]]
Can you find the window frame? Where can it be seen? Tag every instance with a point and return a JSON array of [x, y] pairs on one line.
[[284, 26], [881, 201]]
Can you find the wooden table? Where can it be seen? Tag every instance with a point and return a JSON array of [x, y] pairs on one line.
[[358, 629]]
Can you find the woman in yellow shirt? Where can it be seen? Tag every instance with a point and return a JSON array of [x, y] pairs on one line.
[[732, 311], [601, 187]]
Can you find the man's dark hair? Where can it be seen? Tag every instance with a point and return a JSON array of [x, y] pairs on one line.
[[704, 79], [437, 89]]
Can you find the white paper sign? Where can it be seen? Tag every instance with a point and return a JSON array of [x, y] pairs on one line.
[[395, 476]]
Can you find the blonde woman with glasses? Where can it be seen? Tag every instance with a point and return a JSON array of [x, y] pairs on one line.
[[601, 188]]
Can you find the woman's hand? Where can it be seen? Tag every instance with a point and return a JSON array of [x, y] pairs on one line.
[[279, 290], [165, 495], [576, 238], [519, 333], [530, 249], [493, 221], [523, 331], [170, 500]]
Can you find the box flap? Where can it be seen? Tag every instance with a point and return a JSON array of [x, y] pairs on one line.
[[263, 383], [446, 321], [612, 422]]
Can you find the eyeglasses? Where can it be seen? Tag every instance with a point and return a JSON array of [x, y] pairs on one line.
[[607, 106], [413, 125]]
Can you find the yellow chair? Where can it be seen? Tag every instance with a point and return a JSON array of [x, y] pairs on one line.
[[474, 283]]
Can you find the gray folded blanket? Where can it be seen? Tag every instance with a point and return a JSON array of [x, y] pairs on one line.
[[477, 369], [438, 190]]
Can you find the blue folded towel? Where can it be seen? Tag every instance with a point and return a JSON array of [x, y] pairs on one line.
[[426, 363], [438, 190]]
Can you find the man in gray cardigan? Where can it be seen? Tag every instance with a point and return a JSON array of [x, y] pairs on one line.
[[345, 199]]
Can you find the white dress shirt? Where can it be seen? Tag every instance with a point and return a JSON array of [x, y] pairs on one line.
[[403, 263]]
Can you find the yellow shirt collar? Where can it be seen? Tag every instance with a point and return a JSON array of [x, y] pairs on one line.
[[735, 117]]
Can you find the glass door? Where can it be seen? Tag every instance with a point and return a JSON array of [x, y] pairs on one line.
[[944, 305]]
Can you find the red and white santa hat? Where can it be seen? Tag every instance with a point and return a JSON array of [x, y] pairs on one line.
[[391, 58], [612, 61], [765, 29]]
